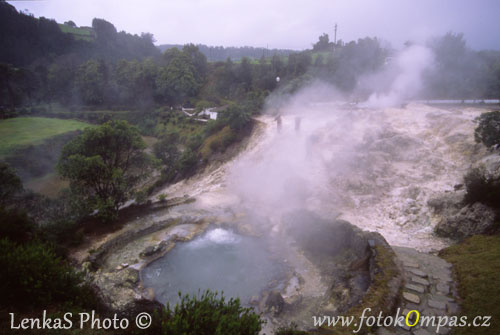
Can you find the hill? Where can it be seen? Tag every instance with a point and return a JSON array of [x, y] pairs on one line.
[[25, 40]]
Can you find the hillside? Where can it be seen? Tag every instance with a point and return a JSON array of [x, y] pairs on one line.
[[25, 39], [220, 53]]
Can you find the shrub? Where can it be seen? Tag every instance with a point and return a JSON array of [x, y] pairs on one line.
[[10, 184], [481, 188], [15, 225], [32, 275], [218, 142], [290, 330], [210, 315], [141, 197], [187, 162], [488, 130]]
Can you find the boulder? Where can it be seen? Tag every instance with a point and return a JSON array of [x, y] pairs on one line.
[[275, 302], [491, 166], [470, 220], [154, 249], [448, 203]]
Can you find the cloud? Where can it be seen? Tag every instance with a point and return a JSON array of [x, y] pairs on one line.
[[283, 24]]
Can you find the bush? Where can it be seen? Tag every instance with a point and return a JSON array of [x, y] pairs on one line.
[[210, 315], [187, 162], [33, 276], [218, 142], [290, 330], [15, 225], [488, 130], [482, 189], [10, 184]]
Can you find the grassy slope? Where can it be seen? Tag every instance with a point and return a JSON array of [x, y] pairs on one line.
[[477, 265], [78, 33], [21, 131]]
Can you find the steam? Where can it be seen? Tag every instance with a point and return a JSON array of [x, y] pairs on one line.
[[404, 75], [290, 168]]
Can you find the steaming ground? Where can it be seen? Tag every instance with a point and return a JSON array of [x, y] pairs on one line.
[[375, 168]]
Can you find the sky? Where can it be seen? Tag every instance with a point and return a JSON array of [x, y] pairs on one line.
[[291, 24]]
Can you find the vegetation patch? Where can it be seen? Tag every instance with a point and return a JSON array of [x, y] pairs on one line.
[[217, 142], [23, 131], [476, 262]]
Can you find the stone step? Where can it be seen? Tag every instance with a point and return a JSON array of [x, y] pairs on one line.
[[436, 304], [411, 297], [410, 264], [417, 272], [421, 331], [420, 281], [416, 288]]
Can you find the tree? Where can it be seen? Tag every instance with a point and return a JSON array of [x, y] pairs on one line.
[[244, 74], [323, 43], [177, 81], [104, 164], [236, 117], [488, 130], [198, 60], [91, 82]]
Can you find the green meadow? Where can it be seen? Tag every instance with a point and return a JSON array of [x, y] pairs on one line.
[[21, 131]]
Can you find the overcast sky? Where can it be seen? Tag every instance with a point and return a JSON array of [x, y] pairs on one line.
[[290, 24]]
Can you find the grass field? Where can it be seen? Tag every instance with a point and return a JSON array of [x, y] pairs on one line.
[[21, 131], [477, 266]]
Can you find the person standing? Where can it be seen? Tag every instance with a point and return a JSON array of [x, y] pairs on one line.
[[297, 123], [278, 122]]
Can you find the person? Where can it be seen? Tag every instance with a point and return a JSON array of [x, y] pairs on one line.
[[297, 123], [278, 122]]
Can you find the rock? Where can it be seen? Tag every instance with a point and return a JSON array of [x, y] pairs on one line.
[[411, 297], [471, 220], [275, 302], [417, 272], [447, 203], [420, 281], [416, 288], [410, 264], [491, 166], [436, 304], [154, 249], [443, 288], [86, 267], [149, 294], [117, 290], [421, 332], [254, 300]]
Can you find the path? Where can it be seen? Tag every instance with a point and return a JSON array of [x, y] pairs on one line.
[[428, 288]]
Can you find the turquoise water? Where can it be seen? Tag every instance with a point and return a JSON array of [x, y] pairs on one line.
[[219, 260]]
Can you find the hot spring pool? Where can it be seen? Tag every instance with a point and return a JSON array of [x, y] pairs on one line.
[[219, 260]]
